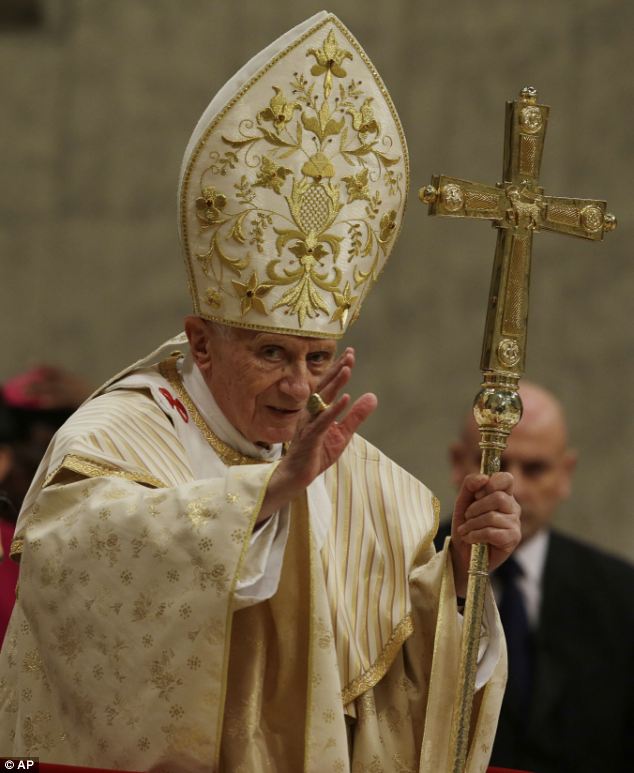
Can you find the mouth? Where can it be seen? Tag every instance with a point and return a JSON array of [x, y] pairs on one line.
[[283, 411]]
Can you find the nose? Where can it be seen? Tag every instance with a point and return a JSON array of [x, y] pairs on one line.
[[296, 382]]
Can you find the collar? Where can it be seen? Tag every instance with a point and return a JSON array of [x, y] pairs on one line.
[[531, 555]]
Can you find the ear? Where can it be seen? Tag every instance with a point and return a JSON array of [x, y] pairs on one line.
[[198, 337], [569, 464]]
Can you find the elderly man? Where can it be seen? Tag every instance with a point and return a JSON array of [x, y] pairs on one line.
[[217, 572], [566, 609]]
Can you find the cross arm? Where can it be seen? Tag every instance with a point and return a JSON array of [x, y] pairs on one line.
[[454, 197], [586, 218]]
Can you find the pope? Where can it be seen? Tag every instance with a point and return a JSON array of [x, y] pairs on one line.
[[217, 572]]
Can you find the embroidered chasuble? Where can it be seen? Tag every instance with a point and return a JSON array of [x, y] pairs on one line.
[[156, 628]]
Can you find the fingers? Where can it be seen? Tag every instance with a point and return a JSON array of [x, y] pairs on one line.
[[358, 413], [499, 501], [362, 408], [468, 490], [321, 421], [493, 527], [336, 384], [337, 375]]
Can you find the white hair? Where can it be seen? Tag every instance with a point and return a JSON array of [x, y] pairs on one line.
[[220, 330]]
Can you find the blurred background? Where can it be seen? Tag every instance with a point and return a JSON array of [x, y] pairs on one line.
[[98, 99]]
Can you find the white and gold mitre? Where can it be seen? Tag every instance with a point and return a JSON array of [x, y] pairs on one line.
[[293, 186]]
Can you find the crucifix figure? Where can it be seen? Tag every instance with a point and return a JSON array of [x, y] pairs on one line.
[[517, 207]]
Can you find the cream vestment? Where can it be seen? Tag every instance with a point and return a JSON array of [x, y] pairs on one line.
[[140, 637]]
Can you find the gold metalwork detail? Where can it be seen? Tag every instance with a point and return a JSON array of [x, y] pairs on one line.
[[497, 406], [379, 668], [516, 294], [527, 208], [564, 214], [592, 218], [316, 404], [508, 352], [90, 468], [479, 200], [528, 94], [428, 194], [609, 222], [531, 119], [529, 149], [452, 197], [522, 209], [228, 455]]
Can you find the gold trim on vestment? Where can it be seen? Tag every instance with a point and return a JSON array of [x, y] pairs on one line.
[[381, 665], [15, 551], [227, 454], [435, 503], [90, 468], [311, 630]]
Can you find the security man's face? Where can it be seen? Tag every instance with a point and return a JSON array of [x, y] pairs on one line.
[[537, 457]]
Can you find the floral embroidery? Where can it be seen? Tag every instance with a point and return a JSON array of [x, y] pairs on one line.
[[329, 58]]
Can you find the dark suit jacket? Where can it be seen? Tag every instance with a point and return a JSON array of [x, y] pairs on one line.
[[581, 718]]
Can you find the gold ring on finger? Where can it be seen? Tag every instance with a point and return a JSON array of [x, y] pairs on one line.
[[316, 404]]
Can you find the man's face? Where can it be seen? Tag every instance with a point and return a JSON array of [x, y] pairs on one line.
[[261, 381], [537, 457]]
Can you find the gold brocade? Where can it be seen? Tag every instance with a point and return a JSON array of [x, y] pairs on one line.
[[268, 678], [90, 468]]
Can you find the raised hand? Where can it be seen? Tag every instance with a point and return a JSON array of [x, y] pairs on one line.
[[319, 440]]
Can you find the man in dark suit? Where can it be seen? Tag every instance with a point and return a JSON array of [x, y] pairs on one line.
[[568, 613]]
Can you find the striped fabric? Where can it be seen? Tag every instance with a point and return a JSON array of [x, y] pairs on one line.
[[385, 519]]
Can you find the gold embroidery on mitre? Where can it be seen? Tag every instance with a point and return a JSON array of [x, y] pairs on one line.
[[293, 195]]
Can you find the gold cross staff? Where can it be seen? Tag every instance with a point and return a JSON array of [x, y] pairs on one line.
[[517, 207]]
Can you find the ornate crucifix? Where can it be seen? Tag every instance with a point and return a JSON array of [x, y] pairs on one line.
[[517, 207]]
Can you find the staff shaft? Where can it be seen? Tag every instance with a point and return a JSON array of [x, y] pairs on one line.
[[497, 408]]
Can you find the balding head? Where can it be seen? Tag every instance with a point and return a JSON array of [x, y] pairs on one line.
[[537, 455]]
